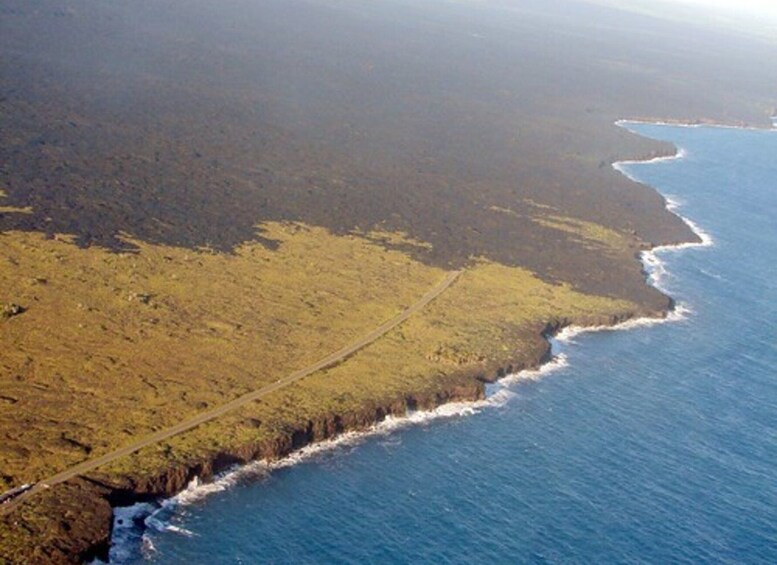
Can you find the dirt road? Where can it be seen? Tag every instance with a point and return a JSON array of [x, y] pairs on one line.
[[167, 433]]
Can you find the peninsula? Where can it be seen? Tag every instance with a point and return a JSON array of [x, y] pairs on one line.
[[230, 229]]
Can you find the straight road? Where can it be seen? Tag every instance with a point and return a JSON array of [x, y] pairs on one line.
[[167, 433]]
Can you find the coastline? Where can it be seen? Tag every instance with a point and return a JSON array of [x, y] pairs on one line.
[[491, 392], [183, 234], [697, 124]]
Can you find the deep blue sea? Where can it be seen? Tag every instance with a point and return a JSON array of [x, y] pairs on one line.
[[651, 445]]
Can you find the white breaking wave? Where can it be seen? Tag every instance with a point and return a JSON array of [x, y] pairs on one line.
[[127, 535], [679, 313], [556, 363], [654, 266], [673, 204], [651, 260], [152, 516], [620, 166], [197, 490], [625, 124], [178, 530], [498, 394]]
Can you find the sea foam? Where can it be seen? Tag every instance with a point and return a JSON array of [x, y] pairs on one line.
[[626, 123], [497, 394], [654, 266], [133, 524]]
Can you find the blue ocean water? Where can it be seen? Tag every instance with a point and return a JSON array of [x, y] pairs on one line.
[[656, 444]]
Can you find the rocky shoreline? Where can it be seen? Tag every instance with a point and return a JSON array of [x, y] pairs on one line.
[[90, 538], [195, 199], [94, 535], [72, 523]]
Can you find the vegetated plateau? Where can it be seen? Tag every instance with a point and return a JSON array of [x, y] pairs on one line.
[[199, 199]]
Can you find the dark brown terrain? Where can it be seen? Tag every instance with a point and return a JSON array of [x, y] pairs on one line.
[[480, 133], [187, 123]]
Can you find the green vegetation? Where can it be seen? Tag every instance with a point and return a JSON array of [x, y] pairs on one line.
[[489, 318], [589, 234], [188, 221], [114, 346]]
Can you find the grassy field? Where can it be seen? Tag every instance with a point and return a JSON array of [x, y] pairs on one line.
[[197, 199], [112, 346], [115, 345]]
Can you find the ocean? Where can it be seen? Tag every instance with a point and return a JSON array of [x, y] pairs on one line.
[[654, 443]]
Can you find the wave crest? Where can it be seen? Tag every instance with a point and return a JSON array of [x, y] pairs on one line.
[[132, 523]]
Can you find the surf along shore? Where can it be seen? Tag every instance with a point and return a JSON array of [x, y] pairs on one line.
[[74, 518], [71, 521], [457, 407], [184, 223]]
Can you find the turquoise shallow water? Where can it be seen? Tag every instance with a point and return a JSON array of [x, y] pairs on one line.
[[656, 444]]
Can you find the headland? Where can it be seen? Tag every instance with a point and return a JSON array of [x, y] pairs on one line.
[[190, 221]]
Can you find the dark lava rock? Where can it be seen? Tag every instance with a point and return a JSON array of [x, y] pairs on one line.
[[10, 310]]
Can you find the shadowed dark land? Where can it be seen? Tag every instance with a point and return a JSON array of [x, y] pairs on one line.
[[253, 184], [188, 123]]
